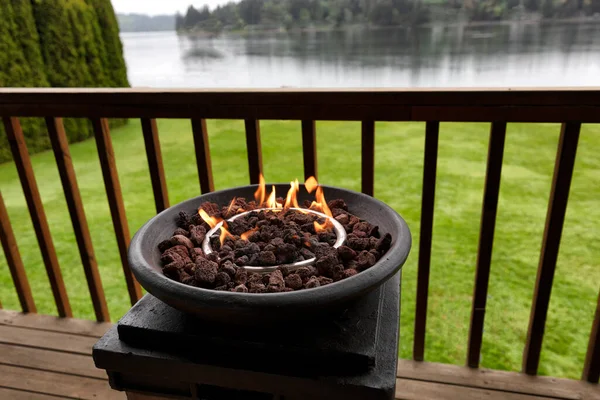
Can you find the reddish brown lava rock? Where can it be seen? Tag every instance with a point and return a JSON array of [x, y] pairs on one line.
[[273, 238]]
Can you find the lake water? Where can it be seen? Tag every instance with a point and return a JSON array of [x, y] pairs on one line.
[[517, 54]]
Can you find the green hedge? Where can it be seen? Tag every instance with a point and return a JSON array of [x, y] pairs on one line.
[[50, 43]]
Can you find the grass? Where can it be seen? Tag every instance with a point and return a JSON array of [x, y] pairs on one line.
[[526, 177]]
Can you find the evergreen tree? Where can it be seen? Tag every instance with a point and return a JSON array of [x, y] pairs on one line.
[[114, 63]]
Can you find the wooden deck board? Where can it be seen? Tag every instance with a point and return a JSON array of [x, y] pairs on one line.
[[44, 357]]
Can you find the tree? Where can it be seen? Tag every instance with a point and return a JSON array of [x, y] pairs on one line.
[[114, 64], [179, 22], [65, 43], [251, 11], [548, 9]]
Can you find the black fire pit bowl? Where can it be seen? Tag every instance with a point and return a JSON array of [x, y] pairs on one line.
[[244, 308]]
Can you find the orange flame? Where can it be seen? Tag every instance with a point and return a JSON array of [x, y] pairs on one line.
[[231, 205], [212, 222], [320, 204], [272, 200], [311, 184], [247, 234], [261, 192], [224, 233], [291, 200]]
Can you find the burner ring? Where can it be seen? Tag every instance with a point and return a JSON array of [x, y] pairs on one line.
[[337, 228]]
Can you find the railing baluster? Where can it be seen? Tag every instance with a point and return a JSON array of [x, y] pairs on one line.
[[38, 216], [115, 201], [591, 369], [427, 202], [60, 146], [253, 146], [155, 164], [559, 196], [368, 157], [15, 264], [486, 239], [203, 155], [309, 148]]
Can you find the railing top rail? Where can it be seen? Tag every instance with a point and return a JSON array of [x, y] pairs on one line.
[[409, 96], [472, 104]]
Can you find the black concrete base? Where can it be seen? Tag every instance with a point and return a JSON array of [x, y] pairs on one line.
[[158, 350]]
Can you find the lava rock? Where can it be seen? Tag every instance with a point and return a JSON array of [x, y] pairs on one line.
[[266, 258], [176, 253], [293, 281], [345, 253], [384, 243], [313, 282], [350, 272], [325, 265], [222, 279], [365, 260], [276, 282], [181, 231], [241, 289], [241, 276]]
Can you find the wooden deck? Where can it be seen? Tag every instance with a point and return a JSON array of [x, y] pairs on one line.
[[43, 357]]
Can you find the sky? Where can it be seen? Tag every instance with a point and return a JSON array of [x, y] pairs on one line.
[[155, 7]]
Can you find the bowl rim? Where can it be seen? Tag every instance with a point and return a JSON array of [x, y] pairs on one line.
[[161, 286]]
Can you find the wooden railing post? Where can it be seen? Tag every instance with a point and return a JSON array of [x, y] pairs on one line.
[[60, 146], [155, 164], [13, 259], [309, 148], [368, 157], [591, 369], [254, 149], [427, 203], [38, 216], [203, 155], [115, 201], [557, 207], [486, 239]]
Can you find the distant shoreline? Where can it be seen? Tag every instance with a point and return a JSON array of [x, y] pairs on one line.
[[258, 30]]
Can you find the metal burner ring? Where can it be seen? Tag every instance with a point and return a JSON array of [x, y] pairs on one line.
[[339, 230]]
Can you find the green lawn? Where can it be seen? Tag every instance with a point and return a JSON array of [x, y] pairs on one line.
[[526, 177]]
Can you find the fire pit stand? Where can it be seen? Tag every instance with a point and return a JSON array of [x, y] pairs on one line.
[[158, 352]]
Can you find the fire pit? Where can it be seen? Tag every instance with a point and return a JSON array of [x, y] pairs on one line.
[[275, 298]]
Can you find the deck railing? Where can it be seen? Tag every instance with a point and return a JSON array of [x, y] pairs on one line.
[[569, 107]]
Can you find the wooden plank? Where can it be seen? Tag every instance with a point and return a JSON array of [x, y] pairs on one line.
[[368, 157], [14, 261], [486, 239], [16, 394], [60, 147], [20, 154], [48, 360], [254, 149], [309, 148], [203, 155], [155, 164], [591, 369], [66, 386], [427, 204], [503, 381], [54, 324], [557, 207], [417, 390], [39, 339], [115, 201]]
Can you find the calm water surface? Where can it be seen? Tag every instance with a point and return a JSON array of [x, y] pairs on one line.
[[440, 56]]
